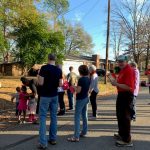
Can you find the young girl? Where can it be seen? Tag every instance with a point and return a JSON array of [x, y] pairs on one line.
[[61, 92], [16, 97], [81, 104], [22, 107], [32, 109]]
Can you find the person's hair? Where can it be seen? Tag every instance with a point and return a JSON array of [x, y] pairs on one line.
[[24, 80], [18, 89], [83, 70], [23, 88], [70, 68], [133, 64], [51, 57], [92, 68]]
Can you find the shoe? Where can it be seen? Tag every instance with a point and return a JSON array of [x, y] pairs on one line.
[[93, 117], [42, 147], [73, 139], [82, 135], [52, 142], [70, 109], [23, 122], [117, 136], [124, 144], [60, 113], [19, 121]]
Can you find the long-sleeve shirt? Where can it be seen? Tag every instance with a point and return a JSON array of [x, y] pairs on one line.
[[94, 83], [137, 82]]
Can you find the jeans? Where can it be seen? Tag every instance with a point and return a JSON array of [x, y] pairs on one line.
[[81, 109], [93, 102], [51, 104], [133, 108], [70, 98], [123, 110]]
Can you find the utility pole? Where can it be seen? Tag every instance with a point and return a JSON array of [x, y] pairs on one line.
[[107, 42]]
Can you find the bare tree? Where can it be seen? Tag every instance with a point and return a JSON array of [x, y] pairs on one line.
[[132, 14]]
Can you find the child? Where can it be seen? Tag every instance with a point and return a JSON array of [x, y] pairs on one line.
[[22, 107], [61, 92], [16, 97], [32, 109], [82, 101]]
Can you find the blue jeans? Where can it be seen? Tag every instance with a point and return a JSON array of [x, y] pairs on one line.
[[70, 98], [48, 103], [81, 109]]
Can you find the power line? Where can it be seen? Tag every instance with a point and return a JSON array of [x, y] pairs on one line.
[[91, 9], [78, 6]]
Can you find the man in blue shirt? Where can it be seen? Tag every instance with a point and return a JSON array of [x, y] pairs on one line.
[[50, 77]]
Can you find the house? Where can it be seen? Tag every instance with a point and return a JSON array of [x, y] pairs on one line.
[[15, 68]]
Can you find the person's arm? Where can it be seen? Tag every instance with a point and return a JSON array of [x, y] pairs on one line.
[[40, 77], [13, 97], [122, 86], [91, 85]]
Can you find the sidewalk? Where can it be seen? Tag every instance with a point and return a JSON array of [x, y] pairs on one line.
[[100, 137]]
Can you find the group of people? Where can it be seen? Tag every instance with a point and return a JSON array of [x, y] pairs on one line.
[[51, 84]]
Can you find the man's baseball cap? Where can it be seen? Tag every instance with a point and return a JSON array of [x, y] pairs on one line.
[[52, 57], [122, 58]]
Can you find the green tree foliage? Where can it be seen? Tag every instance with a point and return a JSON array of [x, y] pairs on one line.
[[57, 8], [34, 42]]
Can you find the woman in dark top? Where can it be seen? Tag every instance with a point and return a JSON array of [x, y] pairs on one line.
[[82, 100]]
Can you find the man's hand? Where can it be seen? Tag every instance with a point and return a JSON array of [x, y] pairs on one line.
[[114, 82]]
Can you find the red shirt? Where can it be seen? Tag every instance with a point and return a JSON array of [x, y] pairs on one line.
[[126, 76], [147, 72]]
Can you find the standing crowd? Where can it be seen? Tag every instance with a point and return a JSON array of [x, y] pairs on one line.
[[51, 85]]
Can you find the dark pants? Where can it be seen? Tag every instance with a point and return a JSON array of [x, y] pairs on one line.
[[61, 101], [149, 87], [93, 102], [123, 110], [17, 112], [70, 98]]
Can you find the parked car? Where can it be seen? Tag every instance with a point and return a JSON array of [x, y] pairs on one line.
[[100, 72]]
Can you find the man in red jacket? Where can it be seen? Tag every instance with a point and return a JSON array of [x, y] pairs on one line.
[[125, 84]]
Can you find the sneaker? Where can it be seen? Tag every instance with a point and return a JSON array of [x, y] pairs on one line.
[[117, 136], [23, 122], [52, 142], [124, 144], [42, 147], [93, 117], [70, 109]]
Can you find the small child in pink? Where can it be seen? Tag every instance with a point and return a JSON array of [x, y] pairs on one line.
[[22, 107]]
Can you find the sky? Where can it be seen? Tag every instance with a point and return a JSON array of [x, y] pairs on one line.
[[92, 14]]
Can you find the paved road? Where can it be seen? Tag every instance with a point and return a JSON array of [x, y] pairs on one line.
[[100, 137]]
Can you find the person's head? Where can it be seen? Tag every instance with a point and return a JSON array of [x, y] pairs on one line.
[[92, 69], [122, 61], [83, 70], [70, 68], [24, 81], [51, 58], [24, 88], [133, 64], [18, 89]]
